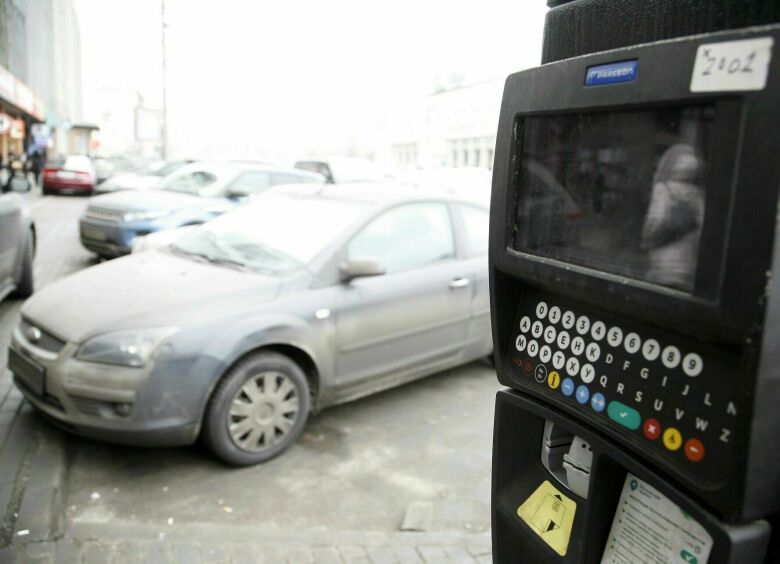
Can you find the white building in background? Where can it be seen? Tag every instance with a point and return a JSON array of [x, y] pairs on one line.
[[449, 129]]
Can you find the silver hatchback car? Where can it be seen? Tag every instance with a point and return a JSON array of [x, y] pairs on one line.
[[301, 299]]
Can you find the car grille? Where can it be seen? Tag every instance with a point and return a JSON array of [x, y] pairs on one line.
[[88, 406], [47, 342], [104, 214]]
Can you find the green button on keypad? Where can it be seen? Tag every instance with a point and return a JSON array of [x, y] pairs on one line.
[[626, 416]]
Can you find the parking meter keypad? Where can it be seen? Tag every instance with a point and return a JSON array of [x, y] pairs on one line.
[[662, 395]]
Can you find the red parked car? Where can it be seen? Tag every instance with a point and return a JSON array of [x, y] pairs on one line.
[[74, 174]]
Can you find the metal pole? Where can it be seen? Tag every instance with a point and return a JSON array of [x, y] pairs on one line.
[[164, 114]]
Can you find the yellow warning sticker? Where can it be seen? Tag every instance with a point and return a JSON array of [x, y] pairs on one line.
[[550, 514]]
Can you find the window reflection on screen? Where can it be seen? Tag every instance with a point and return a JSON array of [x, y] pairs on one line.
[[622, 192]]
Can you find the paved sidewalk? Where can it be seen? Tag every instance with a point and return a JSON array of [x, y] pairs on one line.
[[132, 543]]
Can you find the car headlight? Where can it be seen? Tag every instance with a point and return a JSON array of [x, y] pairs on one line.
[[143, 215], [131, 347]]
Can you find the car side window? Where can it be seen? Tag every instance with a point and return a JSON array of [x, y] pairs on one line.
[[191, 182], [476, 222], [278, 178], [406, 237], [252, 182]]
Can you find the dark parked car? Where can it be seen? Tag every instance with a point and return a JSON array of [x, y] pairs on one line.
[[71, 175], [194, 194], [17, 243], [300, 299]]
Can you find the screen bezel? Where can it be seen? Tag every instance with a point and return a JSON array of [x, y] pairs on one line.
[[718, 178]]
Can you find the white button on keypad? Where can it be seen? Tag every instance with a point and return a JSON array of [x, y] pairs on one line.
[[593, 352], [549, 334], [671, 356], [583, 325], [541, 310], [598, 330], [692, 364], [536, 329], [555, 315], [632, 343], [545, 353], [558, 359], [572, 366], [520, 343], [651, 349], [525, 324], [615, 336], [587, 373], [563, 340], [577, 345], [568, 320], [533, 348]]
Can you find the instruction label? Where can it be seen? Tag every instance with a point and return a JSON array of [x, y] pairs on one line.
[[648, 527], [549, 514]]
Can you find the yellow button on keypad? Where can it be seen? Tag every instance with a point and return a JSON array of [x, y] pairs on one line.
[[553, 380], [672, 438]]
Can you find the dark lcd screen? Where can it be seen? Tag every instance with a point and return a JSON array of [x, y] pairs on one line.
[[622, 192]]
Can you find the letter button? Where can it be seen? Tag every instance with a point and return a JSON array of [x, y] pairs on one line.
[[525, 324], [545, 353], [694, 450], [587, 373], [672, 439], [563, 340], [593, 352], [536, 329], [624, 415], [533, 348], [572, 367], [520, 343], [549, 334], [558, 360]]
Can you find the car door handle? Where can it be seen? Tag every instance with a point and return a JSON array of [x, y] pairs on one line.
[[459, 283]]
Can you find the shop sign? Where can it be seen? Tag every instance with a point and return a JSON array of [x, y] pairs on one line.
[[5, 123], [17, 129]]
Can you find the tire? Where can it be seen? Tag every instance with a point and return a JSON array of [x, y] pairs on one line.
[[261, 429], [24, 288]]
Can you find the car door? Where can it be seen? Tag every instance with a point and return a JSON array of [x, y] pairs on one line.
[[10, 236], [413, 318]]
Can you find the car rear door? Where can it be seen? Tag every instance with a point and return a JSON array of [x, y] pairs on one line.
[[414, 318], [10, 236]]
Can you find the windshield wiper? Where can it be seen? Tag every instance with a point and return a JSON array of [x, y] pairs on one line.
[[208, 258]]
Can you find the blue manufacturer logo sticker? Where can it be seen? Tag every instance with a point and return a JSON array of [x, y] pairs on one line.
[[624, 71]]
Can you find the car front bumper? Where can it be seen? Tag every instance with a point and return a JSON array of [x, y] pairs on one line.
[[111, 403], [111, 239]]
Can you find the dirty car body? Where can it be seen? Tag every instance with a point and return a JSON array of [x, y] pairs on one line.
[[351, 337]]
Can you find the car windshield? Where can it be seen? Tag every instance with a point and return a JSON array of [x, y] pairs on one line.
[[277, 234], [206, 182]]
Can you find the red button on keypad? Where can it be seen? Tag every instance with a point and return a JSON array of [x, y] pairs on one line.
[[651, 429], [694, 450]]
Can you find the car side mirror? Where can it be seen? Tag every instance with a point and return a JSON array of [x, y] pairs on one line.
[[360, 267], [237, 193], [19, 184]]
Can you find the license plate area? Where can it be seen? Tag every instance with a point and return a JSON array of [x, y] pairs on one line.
[[94, 234], [30, 373]]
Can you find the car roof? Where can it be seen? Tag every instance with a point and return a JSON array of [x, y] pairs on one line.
[[238, 166], [378, 194]]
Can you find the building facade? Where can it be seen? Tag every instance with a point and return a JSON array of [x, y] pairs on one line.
[[40, 77], [450, 129]]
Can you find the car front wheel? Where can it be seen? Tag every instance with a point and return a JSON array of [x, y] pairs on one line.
[[257, 410]]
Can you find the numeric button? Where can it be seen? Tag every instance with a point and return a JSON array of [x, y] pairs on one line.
[[692, 364], [598, 330], [614, 337], [555, 315], [549, 334], [671, 356], [525, 324], [651, 349], [632, 343], [583, 325], [541, 310], [568, 320], [533, 348]]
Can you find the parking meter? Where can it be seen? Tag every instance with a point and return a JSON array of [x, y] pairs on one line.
[[635, 300]]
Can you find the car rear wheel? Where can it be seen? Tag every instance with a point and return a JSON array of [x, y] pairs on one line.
[[257, 410], [24, 288]]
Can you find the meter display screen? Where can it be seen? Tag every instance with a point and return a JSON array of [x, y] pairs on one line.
[[621, 192]]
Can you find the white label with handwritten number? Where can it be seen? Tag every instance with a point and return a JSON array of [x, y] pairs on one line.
[[732, 65]]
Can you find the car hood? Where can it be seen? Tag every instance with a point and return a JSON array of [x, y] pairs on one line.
[[152, 289], [146, 200]]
